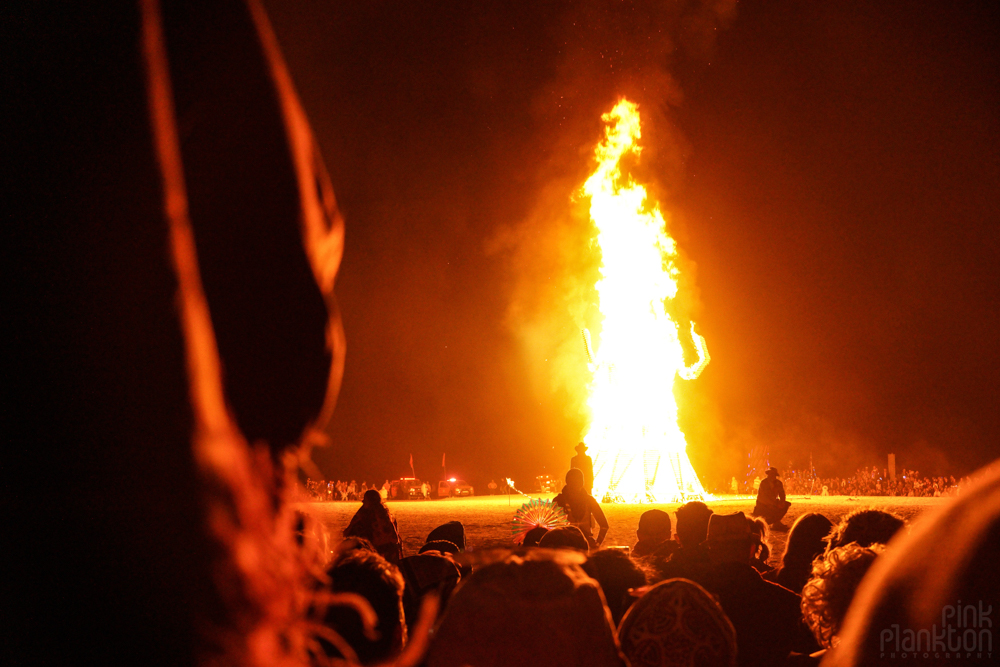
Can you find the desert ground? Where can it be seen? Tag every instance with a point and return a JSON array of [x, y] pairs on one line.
[[487, 519]]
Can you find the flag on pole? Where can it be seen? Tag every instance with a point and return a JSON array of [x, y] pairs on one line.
[[442, 460], [412, 473]]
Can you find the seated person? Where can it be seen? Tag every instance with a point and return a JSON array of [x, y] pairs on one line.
[[865, 527], [653, 535], [771, 503], [691, 555], [616, 573], [806, 541], [373, 522], [379, 582], [677, 622], [762, 552], [580, 507], [431, 571], [532, 537], [766, 616], [453, 531], [564, 537], [525, 611], [828, 594]]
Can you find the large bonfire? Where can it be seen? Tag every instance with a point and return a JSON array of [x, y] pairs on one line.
[[638, 448]]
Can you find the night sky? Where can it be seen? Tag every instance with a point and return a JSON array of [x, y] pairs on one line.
[[830, 171]]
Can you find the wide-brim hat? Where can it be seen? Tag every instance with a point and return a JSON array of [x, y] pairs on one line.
[[774, 470], [581, 447]]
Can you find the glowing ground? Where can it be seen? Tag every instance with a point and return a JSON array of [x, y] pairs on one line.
[[487, 518]]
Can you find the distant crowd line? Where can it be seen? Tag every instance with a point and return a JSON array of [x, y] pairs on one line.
[[872, 482], [865, 482], [337, 490]]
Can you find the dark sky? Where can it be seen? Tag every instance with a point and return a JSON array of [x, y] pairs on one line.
[[830, 171]]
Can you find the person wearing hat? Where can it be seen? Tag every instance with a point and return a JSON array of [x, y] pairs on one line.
[[583, 462], [766, 616], [771, 503]]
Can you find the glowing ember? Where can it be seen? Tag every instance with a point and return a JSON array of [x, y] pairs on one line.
[[638, 449]]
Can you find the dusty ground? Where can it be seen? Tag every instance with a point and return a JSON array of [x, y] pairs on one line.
[[487, 519]]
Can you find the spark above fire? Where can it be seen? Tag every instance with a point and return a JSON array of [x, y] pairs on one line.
[[639, 451]]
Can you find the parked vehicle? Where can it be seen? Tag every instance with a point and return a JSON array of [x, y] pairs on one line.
[[406, 488], [454, 487]]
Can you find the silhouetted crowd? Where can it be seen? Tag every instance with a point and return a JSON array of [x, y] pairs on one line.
[[871, 482], [697, 590], [338, 490]]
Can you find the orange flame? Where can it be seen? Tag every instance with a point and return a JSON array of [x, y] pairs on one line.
[[640, 451]]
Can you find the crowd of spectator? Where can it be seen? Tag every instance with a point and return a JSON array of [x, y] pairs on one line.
[[870, 482], [696, 590], [338, 490]]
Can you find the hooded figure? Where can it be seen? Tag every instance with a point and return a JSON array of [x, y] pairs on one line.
[[373, 522]]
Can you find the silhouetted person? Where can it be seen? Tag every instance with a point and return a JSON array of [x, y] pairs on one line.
[[564, 537], [584, 463], [532, 537], [692, 555], [827, 595], [761, 552], [453, 531], [380, 583], [766, 616], [432, 571], [866, 527], [616, 573], [771, 503], [580, 507], [654, 535], [373, 522], [677, 622], [806, 541], [526, 612]]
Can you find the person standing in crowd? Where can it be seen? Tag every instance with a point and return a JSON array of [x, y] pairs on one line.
[[585, 464], [581, 507], [374, 523], [771, 503]]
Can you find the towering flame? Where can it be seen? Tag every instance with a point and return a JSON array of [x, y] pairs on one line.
[[638, 449]]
